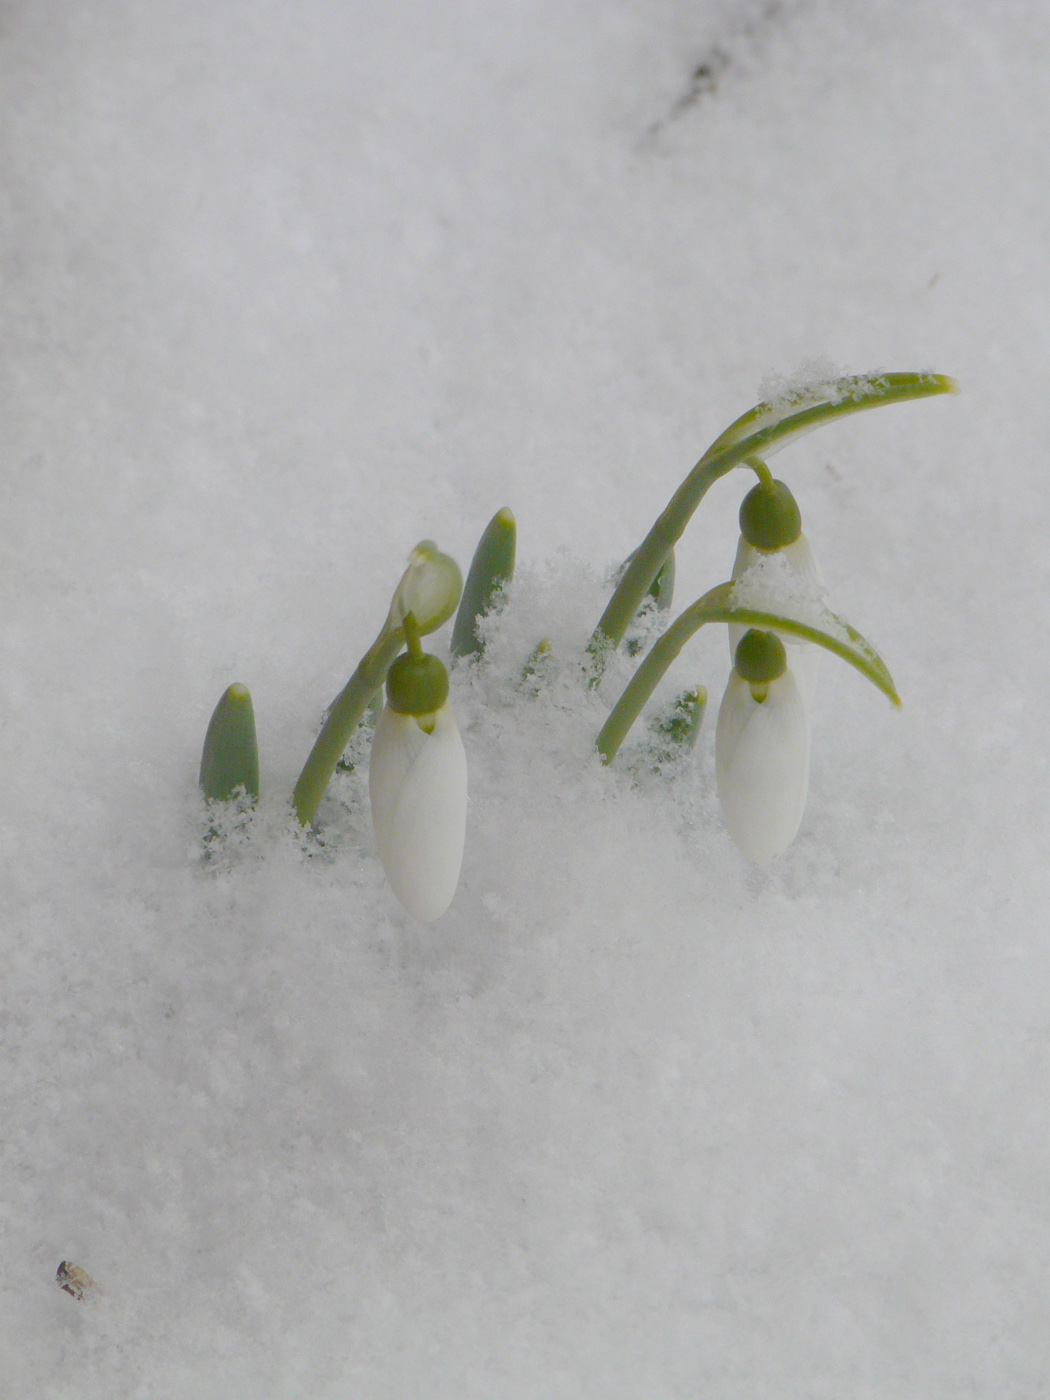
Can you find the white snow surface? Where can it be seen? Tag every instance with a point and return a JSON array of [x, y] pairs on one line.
[[287, 286]]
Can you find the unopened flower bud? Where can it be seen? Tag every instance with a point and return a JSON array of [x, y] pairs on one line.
[[429, 589]]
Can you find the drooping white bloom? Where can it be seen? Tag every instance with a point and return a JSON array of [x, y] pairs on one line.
[[762, 764], [417, 784], [803, 657]]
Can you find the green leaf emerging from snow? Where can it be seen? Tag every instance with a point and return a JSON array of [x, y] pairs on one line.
[[768, 596], [788, 414], [753, 602], [800, 409]]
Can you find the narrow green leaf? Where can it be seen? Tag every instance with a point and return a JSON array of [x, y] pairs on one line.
[[491, 567], [758, 433], [816, 624], [747, 603], [771, 425], [231, 753]]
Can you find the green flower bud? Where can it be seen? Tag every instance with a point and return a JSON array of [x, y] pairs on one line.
[[770, 517], [760, 657], [416, 685], [429, 589]]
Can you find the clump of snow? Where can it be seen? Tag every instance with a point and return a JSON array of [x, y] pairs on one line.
[[770, 584], [811, 382]]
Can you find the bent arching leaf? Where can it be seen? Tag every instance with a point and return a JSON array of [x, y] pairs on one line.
[[764, 429], [809, 620]]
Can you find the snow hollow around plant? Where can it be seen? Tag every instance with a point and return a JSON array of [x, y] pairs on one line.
[[287, 287]]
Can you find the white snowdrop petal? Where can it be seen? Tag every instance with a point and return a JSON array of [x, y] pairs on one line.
[[396, 744], [762, 765], [418, 789], [799, 556]]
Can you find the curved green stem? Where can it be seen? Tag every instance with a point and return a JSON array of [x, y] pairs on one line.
[[834, 634], [764, 429], [414, 645], [765, 476], [343, 717]]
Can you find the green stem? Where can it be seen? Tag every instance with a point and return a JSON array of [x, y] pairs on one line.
[[762, 429], [343, 718], [415, 646], [765, 476], [716, 606]]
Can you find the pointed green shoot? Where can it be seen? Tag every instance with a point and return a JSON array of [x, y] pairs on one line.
[[678, 728], [537, 669], [761, 431], [491, 567], [811, 623], [231, 753]]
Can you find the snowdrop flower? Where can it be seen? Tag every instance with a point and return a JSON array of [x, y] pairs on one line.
[[770, 521], [417, 785], [762, 749]]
